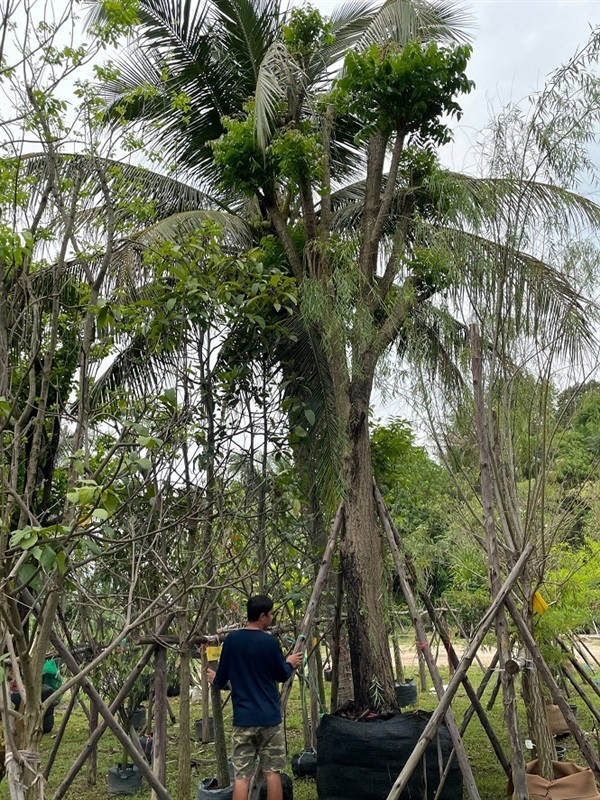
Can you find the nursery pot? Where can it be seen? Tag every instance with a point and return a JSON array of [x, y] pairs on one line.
[[304, 764], [327, 674], [147, 745], [208, 789], [138, 719], [406, 693], [124, 780], [560, 752], [198, 730], [361, 759]]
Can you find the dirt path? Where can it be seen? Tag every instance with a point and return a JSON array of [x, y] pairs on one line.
[[486, 654]]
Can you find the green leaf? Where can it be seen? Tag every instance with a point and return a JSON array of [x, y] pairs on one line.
[[100, 513], [61, 562], [48, 558], [169, 397], [144, 463], [310, 416]]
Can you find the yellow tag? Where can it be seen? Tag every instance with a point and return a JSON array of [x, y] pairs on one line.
[[213, 653], [540, 606]]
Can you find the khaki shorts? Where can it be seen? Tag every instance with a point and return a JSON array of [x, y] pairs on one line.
[[267, 744]]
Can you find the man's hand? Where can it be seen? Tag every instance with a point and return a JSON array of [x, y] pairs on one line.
[[295, 660], [210, 674]]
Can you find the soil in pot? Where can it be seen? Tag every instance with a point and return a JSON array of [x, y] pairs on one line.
[[360, 760], [124, 780]]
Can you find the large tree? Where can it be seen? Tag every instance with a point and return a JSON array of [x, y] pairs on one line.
[[373, 260]]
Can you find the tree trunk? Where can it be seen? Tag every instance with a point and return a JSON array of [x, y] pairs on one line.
[[183, 772], [159, 746], [92, 768], [362, 563]]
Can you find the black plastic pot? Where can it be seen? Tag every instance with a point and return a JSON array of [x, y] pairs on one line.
[[48, 719], [138, 719], [406, 693], [124, 780], [304, 764], [327, 674], [287, 785], [173, 689], [560, 752], [208, 789], [198, 730]]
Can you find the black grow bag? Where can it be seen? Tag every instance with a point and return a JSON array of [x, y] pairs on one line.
[[124, 781], [361, 760], [211, 729], [304, 764], [208, 790], [406, 693], [287, 786]]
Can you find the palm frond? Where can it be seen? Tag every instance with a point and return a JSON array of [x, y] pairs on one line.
[[538, 299], [136, 369], [403, 21], [521, 201], [276, 76]]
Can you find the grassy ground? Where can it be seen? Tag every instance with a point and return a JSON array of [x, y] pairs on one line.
[[489, 775]]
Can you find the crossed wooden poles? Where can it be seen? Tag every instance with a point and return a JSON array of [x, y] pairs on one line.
[[443, 711]]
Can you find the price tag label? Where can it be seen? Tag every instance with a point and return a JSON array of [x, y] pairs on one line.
[[213, 652]]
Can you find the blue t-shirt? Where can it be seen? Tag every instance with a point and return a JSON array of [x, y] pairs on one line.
[[252, 661]]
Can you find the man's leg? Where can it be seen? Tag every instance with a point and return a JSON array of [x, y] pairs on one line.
[[274, 787], [240, 788]]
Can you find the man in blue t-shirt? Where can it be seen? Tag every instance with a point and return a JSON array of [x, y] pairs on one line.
[[252, 662]]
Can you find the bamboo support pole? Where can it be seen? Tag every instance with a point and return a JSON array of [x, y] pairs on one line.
[[582, 694], [465, 721], [438, 715], [578, 668], [305, 627], [336, 637], [114, 706], [555, 692], [393, 538], [311, 608], [470, 690], [494, 570], [137, 758], [61, 731]]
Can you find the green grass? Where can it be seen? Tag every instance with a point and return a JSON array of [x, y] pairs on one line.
[[488, 773]]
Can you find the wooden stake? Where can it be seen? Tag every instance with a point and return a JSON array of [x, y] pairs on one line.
[[135, 755], [471, 693], [555, 692], [438, 715], [392, 536], [495, 574]]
